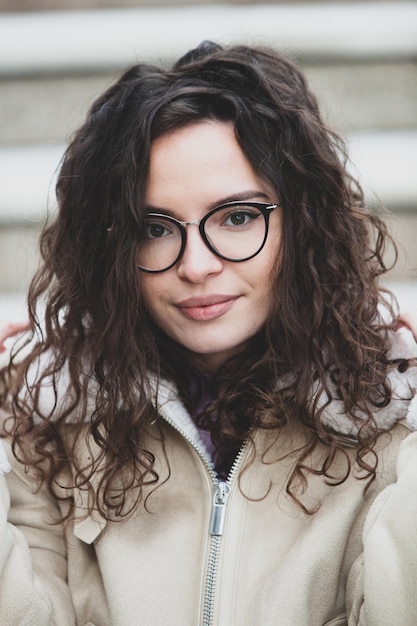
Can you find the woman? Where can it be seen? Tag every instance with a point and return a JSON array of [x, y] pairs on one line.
[[206, 423]]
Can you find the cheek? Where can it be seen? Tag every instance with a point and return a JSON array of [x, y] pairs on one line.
[[266, 277], [270, 262], [275, 237], [267, 295], [150, 292], [274, 258]]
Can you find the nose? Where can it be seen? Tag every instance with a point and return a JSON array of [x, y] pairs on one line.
[[198, 261]]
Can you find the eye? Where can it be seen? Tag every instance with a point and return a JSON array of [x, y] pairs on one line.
[[240, 217], [155, 229]]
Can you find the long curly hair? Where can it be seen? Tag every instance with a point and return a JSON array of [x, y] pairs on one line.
[[87, 314]]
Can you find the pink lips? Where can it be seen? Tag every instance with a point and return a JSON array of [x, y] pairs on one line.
[[206, 308]]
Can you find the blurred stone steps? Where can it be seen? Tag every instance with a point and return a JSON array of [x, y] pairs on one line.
[[360, 58]]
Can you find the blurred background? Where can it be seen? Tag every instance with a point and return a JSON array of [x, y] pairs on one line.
[[56, 56]]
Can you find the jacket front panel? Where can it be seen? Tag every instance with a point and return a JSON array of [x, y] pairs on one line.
[[154, 563], [151, 564], [272, 549]]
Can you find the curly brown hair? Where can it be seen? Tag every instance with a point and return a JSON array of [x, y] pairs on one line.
[[85, 305]]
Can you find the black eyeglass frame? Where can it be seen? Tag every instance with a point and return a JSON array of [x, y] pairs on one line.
[[265, 208]]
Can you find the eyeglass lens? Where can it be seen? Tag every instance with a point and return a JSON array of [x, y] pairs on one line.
[[233, 232]]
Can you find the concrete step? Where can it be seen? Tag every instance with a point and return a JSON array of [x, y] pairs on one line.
[[99, 40], [361, 58], [353, 97]]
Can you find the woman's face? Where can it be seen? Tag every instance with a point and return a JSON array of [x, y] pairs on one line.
[[208, 305]]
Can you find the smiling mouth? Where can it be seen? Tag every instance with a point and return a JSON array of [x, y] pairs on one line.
[[206, 309]]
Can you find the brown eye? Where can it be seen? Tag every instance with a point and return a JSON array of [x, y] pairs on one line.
[[240, 218], [156, 230]]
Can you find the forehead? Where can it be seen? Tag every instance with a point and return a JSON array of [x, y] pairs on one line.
[[201, 165]]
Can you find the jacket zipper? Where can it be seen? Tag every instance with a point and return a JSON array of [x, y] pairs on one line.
[[218, 514], [221, 492]]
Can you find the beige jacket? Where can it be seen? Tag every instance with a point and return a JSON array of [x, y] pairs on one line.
[[239, 553]]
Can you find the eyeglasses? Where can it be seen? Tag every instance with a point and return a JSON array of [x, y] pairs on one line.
[[235, 231]]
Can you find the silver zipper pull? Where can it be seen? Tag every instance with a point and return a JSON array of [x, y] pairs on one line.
[[218, 511]]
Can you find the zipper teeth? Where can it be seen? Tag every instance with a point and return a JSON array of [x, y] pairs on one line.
[[215, 541], [236, 463], [209, 465], [212, 567], [214, 553]]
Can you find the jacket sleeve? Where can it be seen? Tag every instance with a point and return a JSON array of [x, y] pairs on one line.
[[382, 587], [33, 587]]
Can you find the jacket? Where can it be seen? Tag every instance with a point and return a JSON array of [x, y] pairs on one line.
[[199, 551]]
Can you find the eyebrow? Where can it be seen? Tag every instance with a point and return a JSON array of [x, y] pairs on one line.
[[235, 197]]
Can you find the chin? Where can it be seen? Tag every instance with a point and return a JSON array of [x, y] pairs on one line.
[[211, 359]]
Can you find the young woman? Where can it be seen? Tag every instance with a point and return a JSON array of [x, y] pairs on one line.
[[208, 421]]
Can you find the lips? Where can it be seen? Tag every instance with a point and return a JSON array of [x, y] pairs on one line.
[[206, 308]]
